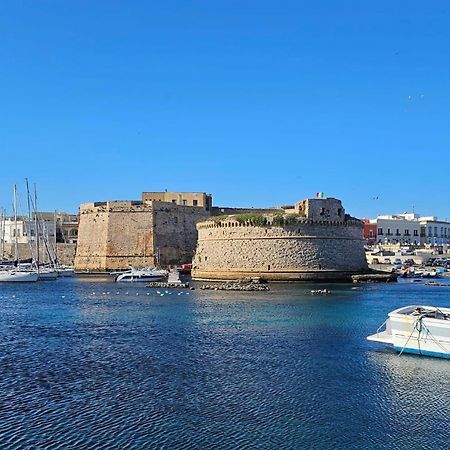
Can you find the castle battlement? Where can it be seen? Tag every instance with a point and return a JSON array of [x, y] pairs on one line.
[[315, 241]]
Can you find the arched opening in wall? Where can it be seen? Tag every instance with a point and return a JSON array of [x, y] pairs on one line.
[[268, 267]]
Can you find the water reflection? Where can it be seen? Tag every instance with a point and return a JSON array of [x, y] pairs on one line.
[[88, 364]]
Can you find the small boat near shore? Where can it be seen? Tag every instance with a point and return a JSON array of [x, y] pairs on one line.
[[47, 275], [65, 271], [145, 275], [17, 276], [421, 330]]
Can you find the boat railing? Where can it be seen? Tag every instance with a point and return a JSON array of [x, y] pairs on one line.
[[384, 324]]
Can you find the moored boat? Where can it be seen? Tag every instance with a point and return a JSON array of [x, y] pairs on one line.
[[422, 330], [47, 275], [17, 276], [142, 275], [65, 271]]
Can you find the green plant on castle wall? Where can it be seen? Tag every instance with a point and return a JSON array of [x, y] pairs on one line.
[[258, 220]]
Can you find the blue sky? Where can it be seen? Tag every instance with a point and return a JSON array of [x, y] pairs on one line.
[[259, 102]]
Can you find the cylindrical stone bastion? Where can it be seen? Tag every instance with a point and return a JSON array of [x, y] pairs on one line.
[[309, 244]]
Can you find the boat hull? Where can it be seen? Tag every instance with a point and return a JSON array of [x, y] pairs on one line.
[[18, 277], [422, 352], [48, 275], [416, 335], [138, 279], [66, 272]]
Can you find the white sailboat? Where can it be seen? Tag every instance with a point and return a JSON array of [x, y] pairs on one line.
[[11, 276], [48, 272], [17, 274]]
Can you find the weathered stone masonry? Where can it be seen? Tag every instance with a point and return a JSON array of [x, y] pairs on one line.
[[114, 235], [320, 242]]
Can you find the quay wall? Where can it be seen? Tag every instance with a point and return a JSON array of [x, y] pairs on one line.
[[65, 253], [306, 250]]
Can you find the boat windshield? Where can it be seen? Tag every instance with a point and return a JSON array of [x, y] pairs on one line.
[[434, 313]]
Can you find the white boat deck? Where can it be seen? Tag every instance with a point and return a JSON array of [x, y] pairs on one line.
[[419, 329]]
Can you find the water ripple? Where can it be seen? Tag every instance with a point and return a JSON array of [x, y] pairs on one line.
[[212, 370]]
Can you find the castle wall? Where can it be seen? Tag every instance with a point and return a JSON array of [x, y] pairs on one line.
[[307, 250], [116, 235], [225, 210], [129, 239], [175, 232], [65, 253], [92, 235]]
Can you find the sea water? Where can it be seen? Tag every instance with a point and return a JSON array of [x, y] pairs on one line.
[[93, 364]]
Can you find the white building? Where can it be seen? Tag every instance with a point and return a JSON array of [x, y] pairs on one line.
[[26, 231], [412, 229], [434, 231], [398, 229]]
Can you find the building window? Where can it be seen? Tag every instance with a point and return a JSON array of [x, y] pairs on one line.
[[194, 202], [406, 232], [174, 201], [389, 232], [397, 233], [370, 234], [416, 233], [184, 202], [380, 231]]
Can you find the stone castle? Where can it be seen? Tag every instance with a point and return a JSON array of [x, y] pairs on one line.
[[311, 240], [314, 240], [159, 229]]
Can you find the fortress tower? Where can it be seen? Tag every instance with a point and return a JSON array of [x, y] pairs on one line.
[[313, 241], [159, 229]]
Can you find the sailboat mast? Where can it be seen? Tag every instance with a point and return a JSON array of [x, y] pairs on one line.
[[16, 231], [2, 235], [56, 248], [36, 226], [29, 234]]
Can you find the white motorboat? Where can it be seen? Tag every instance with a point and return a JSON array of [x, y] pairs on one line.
[[142, 275], [422, 330], [17, 276]]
